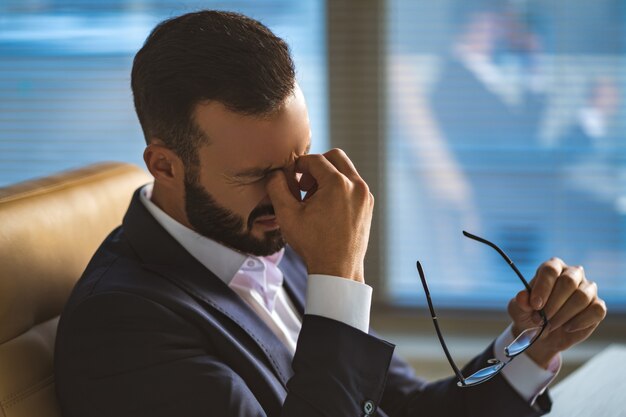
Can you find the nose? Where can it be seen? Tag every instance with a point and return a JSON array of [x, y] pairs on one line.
[[265, 202]]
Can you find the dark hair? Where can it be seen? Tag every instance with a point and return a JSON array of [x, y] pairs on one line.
[[207, 55]]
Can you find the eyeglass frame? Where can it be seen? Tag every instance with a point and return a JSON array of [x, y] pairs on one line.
[[493, 362]]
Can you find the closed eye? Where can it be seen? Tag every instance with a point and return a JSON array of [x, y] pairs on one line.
[[254, 181], [243, 181], [250, 179]]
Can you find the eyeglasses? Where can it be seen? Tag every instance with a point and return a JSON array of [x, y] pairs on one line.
[[522, 342]]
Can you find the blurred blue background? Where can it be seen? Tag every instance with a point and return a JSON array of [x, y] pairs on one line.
[[65, 97], [504, 118]]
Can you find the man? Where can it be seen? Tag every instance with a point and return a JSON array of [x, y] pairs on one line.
[[195, 307]]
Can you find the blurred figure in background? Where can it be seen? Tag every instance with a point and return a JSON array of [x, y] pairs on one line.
[[594, 126], [594, 188], [489, 90], [488, 104]]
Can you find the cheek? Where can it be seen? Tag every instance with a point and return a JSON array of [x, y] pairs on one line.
[[246, 199], [240, 200]]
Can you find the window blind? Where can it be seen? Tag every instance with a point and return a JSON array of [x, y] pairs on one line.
[[505, 119], [65, 98]]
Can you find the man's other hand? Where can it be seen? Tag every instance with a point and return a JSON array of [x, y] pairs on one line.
[[570, 302], [330, 227]]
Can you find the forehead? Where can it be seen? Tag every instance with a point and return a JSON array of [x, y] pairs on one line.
[[239, 141]]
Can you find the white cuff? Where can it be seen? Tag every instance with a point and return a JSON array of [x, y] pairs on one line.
[[339, 299], [523, 374]]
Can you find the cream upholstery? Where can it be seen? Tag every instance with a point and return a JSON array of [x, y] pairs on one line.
[[49, 229]]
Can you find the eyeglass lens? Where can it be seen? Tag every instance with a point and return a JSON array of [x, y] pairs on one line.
[[517, 346], [522, 342], [483, 374]]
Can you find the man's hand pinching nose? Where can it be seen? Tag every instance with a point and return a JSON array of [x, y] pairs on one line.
[[330, 227]]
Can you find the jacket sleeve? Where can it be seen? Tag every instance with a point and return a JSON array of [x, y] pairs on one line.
[[338, 370], [130, 356], [335, 359], [407, 395]]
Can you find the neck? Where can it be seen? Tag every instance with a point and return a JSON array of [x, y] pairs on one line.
[[172, 203]]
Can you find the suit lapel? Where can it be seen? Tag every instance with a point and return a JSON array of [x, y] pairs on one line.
[[163, 255]]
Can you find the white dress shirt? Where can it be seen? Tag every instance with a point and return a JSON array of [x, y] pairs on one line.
[[328, 296]]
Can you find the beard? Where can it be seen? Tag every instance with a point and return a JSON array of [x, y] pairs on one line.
[[218, 223]]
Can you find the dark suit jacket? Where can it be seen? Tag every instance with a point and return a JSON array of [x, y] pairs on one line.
[[148, 331]]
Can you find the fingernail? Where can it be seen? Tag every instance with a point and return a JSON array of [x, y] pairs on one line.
[[537, 302], [569, 329]]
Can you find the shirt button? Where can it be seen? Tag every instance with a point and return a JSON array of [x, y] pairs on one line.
[[251, 263], [369, 407]]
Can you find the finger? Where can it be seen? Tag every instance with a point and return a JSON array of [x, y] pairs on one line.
[[521, 312], [580, 299], [566, 285], [523, 301], [317, 166], [292, 181], [564, 340], [516, 311], [544, 281], [340, 160], [278, 190], [590, 316], [307, 182], [582, 334]]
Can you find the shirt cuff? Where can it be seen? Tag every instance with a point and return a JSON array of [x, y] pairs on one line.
[[523, 374], [339, 299]]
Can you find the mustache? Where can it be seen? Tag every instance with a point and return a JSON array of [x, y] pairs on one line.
[[260, 211]]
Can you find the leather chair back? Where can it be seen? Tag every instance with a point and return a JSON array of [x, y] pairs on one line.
[[49, 229]]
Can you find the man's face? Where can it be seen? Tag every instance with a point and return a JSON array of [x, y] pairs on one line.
[[228, 202]]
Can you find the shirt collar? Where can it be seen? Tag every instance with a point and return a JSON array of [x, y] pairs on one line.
[[219, 259]]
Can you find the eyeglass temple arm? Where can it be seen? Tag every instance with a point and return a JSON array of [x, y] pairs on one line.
[[508, 260], [435, 322], [501, 252]]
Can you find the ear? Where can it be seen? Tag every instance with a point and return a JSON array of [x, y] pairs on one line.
[[163, 163]]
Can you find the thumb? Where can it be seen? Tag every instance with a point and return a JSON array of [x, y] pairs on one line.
[[280, 194], [519, 310], [523, 301]]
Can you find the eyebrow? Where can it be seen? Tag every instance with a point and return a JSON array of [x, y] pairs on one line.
[[259, 172]]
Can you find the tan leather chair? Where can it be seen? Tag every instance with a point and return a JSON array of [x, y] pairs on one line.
[[49, 229]]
